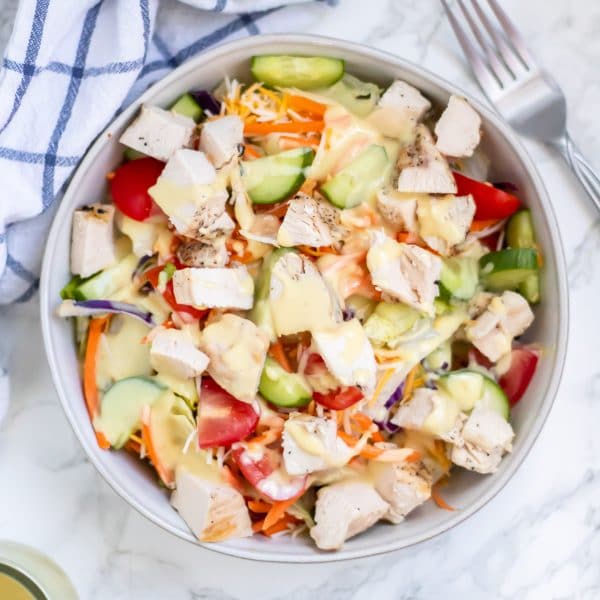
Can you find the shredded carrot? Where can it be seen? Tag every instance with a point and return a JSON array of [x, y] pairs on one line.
[[308, 187], [257, 526], [258, 506], [377, 437], [416, 456], [435, 495], [255, 128], [355, 463], [277, 353], [278, 511], [90, 389], [483, 224], [317, 252], [133, 446], [267, 437], [110, 175], [250, 152], [409, 383], [167, 475], [287, 142], [232, 479], [302, 104], [279, 526], [349, 439], [370, 452], [406, 237], [363, 421]]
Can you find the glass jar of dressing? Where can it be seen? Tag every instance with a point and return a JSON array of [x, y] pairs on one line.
[[26, 574]]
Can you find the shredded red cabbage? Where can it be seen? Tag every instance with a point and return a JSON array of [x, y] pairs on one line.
[[206, 101], [395, 397], [84, 308], [506, 186]]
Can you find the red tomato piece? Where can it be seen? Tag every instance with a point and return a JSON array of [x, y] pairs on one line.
[[222, 419], [130, 184], [262, 468], [490, 202], [515, 381], [339, 399]]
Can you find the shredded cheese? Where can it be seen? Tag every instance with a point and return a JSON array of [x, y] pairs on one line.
[[384, 379]]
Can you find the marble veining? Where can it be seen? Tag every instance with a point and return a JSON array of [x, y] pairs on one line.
[[538, 539]]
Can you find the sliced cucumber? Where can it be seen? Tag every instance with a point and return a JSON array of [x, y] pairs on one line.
[[440, 359], [520, 234], [507, 269], [188, 107], [260, 314], [519, 231], [131, 154], [360, 307], [103, 284], [355, 183], [184, 388], [121, 408], [389, 321], [274, 178], [302, 72], [471, 388], [281, 388], [359, 97], [460, 276]]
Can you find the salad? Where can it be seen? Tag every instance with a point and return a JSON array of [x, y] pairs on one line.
[[300, 302]]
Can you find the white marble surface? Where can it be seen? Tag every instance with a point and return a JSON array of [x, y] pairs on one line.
[[539, 538]]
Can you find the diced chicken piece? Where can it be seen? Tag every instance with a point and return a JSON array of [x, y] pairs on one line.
[[190, 194], [398, 209], [214, 287], [343, 510], [200, 254], [399, 110], [237, 349], [299, 297], [405, 272], [406, 98], [158, 132], [404, 486], [431, 411], [505, 317], [423, 169], [458, 130], [189, 167], [309, 222], [221, 138], [348, 354], [312, 444], [173, 353], [213, 511], [486, 437], [92, 239], [444, 222]]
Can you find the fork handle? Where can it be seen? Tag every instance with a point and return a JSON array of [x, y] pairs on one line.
[[581, 167]]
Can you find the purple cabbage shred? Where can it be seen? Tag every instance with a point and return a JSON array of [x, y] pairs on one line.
[[206, 101], [506, 186]]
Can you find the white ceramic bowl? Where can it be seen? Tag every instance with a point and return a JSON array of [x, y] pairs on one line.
[[509, 163]]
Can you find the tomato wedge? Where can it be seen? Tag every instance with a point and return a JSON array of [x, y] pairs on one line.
[[151, 275], [222, 419], [130, 184], [490, 202], [340, 399], [262, 468], [515, 381]]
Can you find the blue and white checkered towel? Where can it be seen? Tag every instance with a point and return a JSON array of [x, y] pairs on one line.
[[69, 66]]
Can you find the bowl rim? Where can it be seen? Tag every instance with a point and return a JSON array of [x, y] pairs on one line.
[[559, 356]]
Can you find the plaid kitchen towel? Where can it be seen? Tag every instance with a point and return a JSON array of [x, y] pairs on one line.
[[68, 68]]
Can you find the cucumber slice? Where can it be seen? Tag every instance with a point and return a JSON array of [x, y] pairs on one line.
[[460, 276], [188, 107], [520, 234], [260, 314], [282, 388], [388, 322], [121, 408], [184, 388], [440, 359], [471, 388], [507, 269], [519, 231], [355, 182], [302, 72], [105, 283], [274, 178], [359, 97]]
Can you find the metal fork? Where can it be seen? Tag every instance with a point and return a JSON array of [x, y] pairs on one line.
[[525, 95]]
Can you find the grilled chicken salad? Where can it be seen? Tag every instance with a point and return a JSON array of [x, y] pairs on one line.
[[301, 301]]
